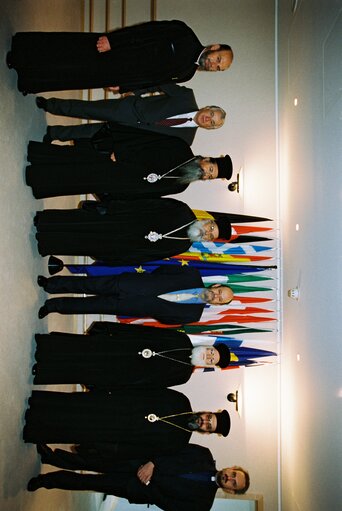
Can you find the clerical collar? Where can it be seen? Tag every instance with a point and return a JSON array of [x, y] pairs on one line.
[[153, 177]]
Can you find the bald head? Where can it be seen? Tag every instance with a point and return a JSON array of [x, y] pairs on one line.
[[217, 57]]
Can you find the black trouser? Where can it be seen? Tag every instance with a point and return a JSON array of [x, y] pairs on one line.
[[68, 460], [74, 131], [114, 483], [106, 287], [75, 461]]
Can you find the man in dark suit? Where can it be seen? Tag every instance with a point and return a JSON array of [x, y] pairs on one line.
[[134, 57], [173, 111], [120, 162], [170, 294], [184, 481]]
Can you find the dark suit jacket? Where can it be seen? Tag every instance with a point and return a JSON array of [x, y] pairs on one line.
[[162, 52], [141, 294], [173, 493], [176, 100]]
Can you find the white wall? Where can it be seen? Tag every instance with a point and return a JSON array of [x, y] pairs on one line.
[[247, 93]]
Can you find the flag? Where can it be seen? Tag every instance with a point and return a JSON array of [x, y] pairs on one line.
[[221, 247], [230, 217], [204, 267], [221, 329], [216, 320], [222, 258]]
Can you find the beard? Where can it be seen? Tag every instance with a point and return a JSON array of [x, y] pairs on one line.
[[219, 479], [196, 231], [203, 60], [197, 356], [189, 172], [192, 422]]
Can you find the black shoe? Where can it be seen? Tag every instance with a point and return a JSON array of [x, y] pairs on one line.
[[47, 139], [55, 265], [35, 483], [44, 451], [42, 281], [9, 60], [41, 102], [36, 219], [43, 311]]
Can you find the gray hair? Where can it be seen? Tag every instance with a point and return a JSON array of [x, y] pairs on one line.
[[215, 107]]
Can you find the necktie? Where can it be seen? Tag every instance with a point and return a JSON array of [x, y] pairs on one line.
[[205, 477], [184, 295], [173, 122]]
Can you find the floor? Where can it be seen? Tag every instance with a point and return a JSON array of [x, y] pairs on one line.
[[21, 121]]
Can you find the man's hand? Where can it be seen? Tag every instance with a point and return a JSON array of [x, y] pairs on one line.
[[145, 472], [112, 157], [102, 44], [114, 90], [150, 94]]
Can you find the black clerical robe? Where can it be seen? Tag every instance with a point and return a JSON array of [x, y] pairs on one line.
[[115, 423], [87, 168], [118, 233], [111, 356]]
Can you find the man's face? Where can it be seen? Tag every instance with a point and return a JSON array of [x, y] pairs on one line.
[[210, 231], [205, 356], [214, 59], [209, 169], [207, 422], [209, 118], [230, 479], [203, 230], [220, 295]]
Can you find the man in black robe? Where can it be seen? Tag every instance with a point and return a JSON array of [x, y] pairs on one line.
[[115, 355], [121, 424], [124, 232], [184, 481], [173, 111], [139, 56], [169, 294], [120, 162]]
